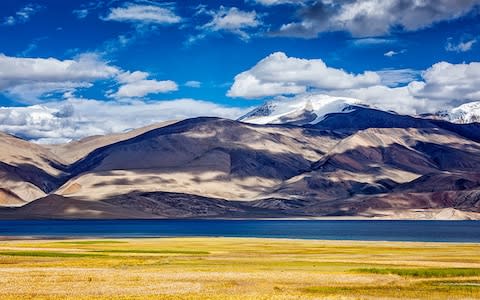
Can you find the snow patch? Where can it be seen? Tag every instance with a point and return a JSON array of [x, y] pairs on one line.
[[465, 113], [281, 109]]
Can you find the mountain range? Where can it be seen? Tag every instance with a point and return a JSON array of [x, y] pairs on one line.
[[319, 156]]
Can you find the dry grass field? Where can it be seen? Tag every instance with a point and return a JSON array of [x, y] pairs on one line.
[[237, 268]]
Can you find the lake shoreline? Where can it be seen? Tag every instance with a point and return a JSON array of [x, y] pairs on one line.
[[238, 238]]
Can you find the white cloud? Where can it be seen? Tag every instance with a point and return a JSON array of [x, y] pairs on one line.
[[144, 87], [14, 70], [454, 82], [135, 84], [29, 78], [231, 20], [129, 77], [441, 86], [247, 85], [137, 13], [390, 53], [369, 18], [393, 53], [461, 46], [408, 91], [193, 84], [398, 99], [63, 121], [23, 15], [279, 74]]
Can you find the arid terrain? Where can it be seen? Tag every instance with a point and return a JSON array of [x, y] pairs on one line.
[[362, 162]]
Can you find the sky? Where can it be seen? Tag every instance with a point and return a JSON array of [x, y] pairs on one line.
[[71, 69]]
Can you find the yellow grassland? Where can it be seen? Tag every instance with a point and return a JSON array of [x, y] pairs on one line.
[[237, 268]]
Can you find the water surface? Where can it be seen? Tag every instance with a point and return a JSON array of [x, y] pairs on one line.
[[425, 231]]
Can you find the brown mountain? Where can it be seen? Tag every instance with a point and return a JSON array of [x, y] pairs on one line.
[[365, 162], [27, 171]]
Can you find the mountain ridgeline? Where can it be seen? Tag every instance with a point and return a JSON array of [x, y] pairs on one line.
[[329, 157]]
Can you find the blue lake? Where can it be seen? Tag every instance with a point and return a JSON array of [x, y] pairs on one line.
[[427, 231]]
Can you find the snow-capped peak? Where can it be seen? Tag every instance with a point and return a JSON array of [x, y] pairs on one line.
[[465, 113], [305, 109]]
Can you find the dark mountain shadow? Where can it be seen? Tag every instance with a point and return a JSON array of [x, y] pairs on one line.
[[178, 205], [450, 158], [212, 144], [442, 181], [222, 135], [440, 167], [321, 188], [468, 201], [60, 207], [34, 175], [363, 118], [470, 131], [243, 163], [269, 164], [370, 160]]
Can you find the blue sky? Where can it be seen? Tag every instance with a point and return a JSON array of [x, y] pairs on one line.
[[62, 59]]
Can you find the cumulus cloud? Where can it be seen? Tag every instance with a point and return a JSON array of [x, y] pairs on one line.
[[231, 20], [454, 82], [145, 87], [29, 78], [279, 74], [398, 99], [368, 18], [136, 84], [23, 15], [461, 46], [71, 119], [147, 14], [441, 86], [402, 90], [14, 70]]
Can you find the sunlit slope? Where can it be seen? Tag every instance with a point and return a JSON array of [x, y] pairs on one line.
[[204, 156], [27, 171]]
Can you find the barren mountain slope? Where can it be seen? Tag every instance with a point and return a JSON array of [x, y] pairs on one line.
[[204, 156], [8, 198], [75, 150], [360, 162], [381, 160], [27, 170], [58, 207]]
